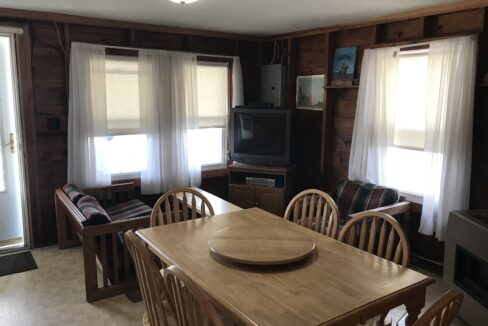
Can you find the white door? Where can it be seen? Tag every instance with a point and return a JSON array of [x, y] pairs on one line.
[[12, 230]]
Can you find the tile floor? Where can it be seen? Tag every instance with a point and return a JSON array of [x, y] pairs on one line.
[[54, 295]]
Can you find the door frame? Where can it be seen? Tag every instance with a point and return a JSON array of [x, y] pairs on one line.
[[19, 138], [26, 136], [25, 86]]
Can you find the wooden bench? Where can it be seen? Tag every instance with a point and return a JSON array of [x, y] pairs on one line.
[[102, 244]]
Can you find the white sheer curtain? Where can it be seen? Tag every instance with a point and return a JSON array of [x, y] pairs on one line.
[[449, 132], [237, 88], [374, 122], [87, 118], [448, 126], [169, 109]]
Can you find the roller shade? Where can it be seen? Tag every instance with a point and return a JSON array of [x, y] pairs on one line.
[[123, 112], [213, 94]]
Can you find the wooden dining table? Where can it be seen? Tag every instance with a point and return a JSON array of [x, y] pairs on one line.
[[336, 285]]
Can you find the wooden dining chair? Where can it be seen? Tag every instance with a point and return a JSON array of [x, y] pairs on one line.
[[179, 205], [315, 210], [379, 234], [192, 305], [151, 283], [443, 311]]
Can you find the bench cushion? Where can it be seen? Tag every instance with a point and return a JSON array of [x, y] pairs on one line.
[[91, 209], [354, 196], [74, 193], [130, 209]]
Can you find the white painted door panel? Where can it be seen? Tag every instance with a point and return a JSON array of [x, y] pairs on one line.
[[11, 219]]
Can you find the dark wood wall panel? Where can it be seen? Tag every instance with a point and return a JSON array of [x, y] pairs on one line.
[[108, 36], [49, 65], [463, 22], [250, 54], [310, 53], [343, 105], [313, 54], [479, 171], [401, 31], [355, 37], [154, 40]]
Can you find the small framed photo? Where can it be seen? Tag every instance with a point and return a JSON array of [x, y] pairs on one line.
[[310, 92], [344, 66]]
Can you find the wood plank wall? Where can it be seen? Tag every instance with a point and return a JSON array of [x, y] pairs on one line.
[[323, 139], [47, 125]]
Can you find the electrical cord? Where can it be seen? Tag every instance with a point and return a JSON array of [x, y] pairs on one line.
[[60, 49]]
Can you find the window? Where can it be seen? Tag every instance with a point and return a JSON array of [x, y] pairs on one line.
[[210, 140], [126, 143], [407, 161]]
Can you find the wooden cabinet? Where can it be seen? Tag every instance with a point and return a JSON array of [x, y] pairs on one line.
[[246, 194], [241, 195]]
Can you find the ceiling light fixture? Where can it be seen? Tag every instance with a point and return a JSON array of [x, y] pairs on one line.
[[183, 2]]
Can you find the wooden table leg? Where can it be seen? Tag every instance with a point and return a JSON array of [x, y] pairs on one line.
[[414, 305]]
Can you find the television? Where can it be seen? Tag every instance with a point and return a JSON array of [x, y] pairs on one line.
[[260, 136]]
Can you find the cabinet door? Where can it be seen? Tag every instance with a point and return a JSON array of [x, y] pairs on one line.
[[242, 196], [271, 200]]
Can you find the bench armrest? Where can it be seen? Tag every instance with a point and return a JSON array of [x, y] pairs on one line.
[[394, 209], [116, 226]]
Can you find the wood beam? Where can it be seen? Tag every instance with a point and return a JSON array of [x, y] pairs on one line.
[[108, 23], [406, 15]]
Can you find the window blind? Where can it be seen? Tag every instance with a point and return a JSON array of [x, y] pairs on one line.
[[123, 112], [410, 110], [213, 99]]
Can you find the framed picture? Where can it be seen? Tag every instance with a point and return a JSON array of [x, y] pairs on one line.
[[343, 66], [310, 92]]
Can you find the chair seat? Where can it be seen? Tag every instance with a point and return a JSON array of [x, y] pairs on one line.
[[130, 209]]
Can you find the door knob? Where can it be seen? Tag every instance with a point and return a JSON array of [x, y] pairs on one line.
[[11, 143]]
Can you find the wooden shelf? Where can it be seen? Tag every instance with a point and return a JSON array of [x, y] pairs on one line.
[[344, 86]]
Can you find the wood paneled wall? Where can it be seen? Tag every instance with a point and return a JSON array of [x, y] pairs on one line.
[[323, 139], [47, 125]]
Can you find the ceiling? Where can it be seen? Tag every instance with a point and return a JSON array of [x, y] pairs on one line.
[[251, 17]]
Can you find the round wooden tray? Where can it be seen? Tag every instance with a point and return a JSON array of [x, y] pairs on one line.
[[271, 245]]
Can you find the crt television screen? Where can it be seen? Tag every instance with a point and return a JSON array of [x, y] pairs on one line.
[[260, 134]]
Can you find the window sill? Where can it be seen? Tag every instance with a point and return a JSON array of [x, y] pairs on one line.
[[125, 176], [414, 198], [214, 171]]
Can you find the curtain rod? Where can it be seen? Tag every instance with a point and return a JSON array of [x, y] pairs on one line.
[[157, 50]]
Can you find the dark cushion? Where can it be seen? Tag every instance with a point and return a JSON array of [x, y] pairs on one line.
[[130, 209], [74, 193], [354, 196], [91, 209]]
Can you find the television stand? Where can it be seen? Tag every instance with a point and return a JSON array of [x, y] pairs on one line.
[[267, 187]]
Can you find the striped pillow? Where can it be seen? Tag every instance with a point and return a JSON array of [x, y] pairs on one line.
[[91, 209], [354, 196], [74, 193]]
